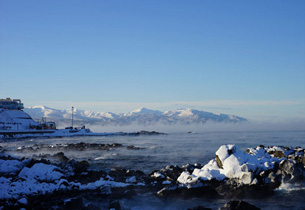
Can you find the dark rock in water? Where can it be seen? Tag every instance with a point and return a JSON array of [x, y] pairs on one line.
[[199, 208], [238, 205], [199, 192], [79, 166], [149, 133], [91, 207], [115, 205], [76, 204], [60, 156], [132, 147], [230, 189]]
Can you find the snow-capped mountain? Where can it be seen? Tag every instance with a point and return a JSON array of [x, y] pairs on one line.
[[141, 116]]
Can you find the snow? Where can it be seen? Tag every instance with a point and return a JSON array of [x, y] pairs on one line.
[[42, 172], [101, 182], [143, 110], [139, 115], [186, 178], [235, 164], [222, 152], [10, 167], [166, 182], [131, 179], [158, 175], [40, 179], [23, 201]]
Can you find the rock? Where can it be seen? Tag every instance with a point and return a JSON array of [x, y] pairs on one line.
[[80, 166], [172, 171], [231, 189], [91, 207], [286, 166], [279, 154], [75, 204], [23, 201], [60, 156], [114, 205], [219, 163], [199, 208], [199, 192], [238, 205], [132, 147]]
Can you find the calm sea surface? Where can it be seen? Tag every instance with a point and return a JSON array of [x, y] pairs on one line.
[[174, 149]]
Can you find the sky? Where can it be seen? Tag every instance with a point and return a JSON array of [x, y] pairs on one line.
[[236, 57]]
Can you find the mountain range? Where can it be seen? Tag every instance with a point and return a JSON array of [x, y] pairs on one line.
[[141, 116]]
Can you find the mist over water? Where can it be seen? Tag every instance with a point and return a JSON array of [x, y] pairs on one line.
[[175, 148], [209, 126]]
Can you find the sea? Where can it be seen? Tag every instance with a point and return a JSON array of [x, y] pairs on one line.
[[178, 148]]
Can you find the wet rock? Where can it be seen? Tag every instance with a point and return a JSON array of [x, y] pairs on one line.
[[239, 205], [114, 205]]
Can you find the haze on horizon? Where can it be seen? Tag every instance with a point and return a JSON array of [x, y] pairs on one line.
[[234, 57]]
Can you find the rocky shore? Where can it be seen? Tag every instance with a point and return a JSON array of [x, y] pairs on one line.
[[57, 182]]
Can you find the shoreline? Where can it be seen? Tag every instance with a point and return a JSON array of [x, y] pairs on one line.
[[60, 176]]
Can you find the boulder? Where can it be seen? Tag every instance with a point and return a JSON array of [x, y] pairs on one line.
[[114, 205], [199, 208], [239, 205]]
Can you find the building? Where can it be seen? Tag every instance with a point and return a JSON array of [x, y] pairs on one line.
[[10, 104]]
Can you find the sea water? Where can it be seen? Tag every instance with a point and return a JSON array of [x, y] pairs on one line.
[[158, 151]]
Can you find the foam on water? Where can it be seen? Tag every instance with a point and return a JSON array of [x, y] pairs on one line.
[[288, 187]]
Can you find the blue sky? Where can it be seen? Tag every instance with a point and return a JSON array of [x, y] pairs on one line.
[[237, 57]]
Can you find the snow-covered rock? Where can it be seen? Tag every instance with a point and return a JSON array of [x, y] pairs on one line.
[[10, 167], [232, 163], [41, 172]]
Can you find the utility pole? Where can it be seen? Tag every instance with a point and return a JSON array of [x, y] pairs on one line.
[[72, 116]]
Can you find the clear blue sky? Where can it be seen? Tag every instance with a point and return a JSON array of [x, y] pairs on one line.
[[117, 55]]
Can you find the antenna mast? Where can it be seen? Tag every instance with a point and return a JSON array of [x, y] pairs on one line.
[[72, 116]]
